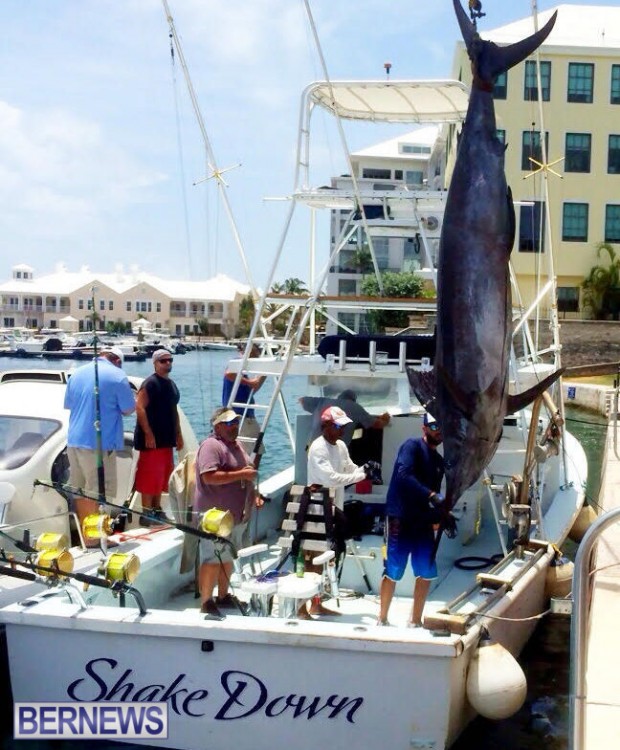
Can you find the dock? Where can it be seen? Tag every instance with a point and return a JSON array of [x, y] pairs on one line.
[[602, 712]]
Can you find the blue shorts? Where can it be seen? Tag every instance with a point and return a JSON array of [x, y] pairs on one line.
[[401, 543]]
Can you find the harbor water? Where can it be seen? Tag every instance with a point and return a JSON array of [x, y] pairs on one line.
[[543, 720]]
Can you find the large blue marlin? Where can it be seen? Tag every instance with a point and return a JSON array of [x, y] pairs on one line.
[[468, 389]]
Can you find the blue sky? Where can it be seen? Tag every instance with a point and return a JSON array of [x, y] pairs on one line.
[[99, 148]]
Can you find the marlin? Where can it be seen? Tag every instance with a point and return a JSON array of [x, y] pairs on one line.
[[468, 389]]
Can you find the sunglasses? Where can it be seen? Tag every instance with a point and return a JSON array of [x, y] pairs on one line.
[[433, 426], [168, 360], [230, 422]]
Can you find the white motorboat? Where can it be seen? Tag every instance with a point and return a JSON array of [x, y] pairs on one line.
[[264, 678]]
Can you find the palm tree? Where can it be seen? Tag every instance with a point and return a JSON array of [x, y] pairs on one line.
[[294, 286], [601, 288]]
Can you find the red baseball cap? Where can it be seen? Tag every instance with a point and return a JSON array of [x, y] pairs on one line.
[[336, 415]]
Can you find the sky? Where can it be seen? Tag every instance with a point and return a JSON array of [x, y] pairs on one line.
[[100, 147]]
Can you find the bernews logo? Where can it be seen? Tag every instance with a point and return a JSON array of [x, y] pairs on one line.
[[144, 721]]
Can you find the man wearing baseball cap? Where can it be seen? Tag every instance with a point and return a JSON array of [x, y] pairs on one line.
[[157, 432], [116, 399]]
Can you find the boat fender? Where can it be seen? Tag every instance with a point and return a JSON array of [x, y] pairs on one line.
[[496, 684], [559, 581], [585, 518]]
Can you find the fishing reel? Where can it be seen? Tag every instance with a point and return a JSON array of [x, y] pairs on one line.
[[102, 525], [373, 472]]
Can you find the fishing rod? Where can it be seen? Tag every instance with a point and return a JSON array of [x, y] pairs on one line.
[[98, 438], [67, 491], [54, 575]]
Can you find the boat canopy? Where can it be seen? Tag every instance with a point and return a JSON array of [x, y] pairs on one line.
[[393, 101]]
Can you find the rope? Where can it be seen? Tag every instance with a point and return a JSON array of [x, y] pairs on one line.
[[518, 619]]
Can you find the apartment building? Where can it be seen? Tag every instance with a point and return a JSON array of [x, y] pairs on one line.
[[64, 299], [579, 115]]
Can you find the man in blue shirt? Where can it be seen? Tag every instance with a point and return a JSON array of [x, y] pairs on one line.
[[412, 499], [248, 385], [116, 400]]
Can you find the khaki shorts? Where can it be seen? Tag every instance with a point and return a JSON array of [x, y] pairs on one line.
[[216, 552], [83, 471]]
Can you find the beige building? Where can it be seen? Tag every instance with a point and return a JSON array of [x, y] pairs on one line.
[[64, 299], [580, 116]]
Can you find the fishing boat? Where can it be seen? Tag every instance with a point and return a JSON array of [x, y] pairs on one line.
[[261, 677]]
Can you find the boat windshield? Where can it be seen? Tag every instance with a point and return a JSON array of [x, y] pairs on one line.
[[21, 438], [371, 393]]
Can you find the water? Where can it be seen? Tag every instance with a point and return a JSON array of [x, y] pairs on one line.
[[543, 720]]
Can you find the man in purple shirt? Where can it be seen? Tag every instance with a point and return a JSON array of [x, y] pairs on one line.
[[225, 479]]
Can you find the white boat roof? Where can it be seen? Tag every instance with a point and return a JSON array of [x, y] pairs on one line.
[[429, 101]]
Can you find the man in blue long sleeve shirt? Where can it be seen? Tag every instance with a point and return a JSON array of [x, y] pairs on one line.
[[411, 499]]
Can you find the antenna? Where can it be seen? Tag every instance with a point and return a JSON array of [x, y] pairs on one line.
[[388, 67]]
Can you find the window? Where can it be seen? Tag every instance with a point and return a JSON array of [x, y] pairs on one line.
[[501, 135], [500, 89], [568, 298], [80, 304], [575, 222], [614, 97], [410, 148], [376, 174], [414, 177], [580, 82], [612, 223], [347, 319], [128, 305], [111, 305], [531, 227], [89, 304], [21, 438], [382, 252], [102, 304], [18, 275], [613, 155], [398, 174], [578, 150], [158, 307], [530, 87], [531, 148], [347, 287]]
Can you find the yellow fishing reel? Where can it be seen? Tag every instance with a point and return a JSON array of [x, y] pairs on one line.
[[120, 566], [216, 521], [97, 526], [53, 554]]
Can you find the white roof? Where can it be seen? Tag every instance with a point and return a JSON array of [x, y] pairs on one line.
[[391, 148], [393, 101], [576, 26], [221, 287]]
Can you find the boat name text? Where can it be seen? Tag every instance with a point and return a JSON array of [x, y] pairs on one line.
[[244, 695]]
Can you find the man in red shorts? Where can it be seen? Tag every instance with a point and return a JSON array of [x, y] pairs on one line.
[[157, 431]]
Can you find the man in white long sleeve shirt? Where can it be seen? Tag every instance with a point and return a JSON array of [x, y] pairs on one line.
[[329, 463]]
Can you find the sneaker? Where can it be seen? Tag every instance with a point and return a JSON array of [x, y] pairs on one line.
[[382, 623], [414, 624], [209, 608]]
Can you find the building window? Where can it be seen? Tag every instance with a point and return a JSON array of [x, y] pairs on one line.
[[530, 87], [111, 305], [102, 304], [158, 307], [580, 82], [568, 298], [347, 319], [410, 148], [578, 151], [501, 135], [614, 97], [612, 223], [500, 89], [531, 148], [382, 252], [613, 155], [398, 174], [347, 287], [80, 304], [531, 227], [575, 222], [377, 174], [128, 305], [89, 304], [414, 177], [18, 275]]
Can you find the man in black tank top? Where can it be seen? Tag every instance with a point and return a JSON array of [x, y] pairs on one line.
[[157, 431]]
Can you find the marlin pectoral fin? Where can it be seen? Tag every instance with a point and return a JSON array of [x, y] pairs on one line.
[[464, 402], [424, 385], [521, 400]]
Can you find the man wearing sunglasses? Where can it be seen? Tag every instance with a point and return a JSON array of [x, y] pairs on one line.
[[411, 506], [157, 432]]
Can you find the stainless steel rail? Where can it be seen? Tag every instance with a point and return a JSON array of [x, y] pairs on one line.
[[582, 590]]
